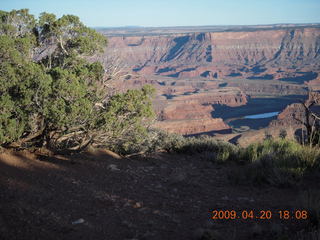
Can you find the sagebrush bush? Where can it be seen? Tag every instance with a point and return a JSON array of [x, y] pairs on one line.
[[153, 140], [222, 151], [279, 162]]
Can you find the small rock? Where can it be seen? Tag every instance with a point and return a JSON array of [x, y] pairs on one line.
[[79, 221], [113, 167], [137, 205]]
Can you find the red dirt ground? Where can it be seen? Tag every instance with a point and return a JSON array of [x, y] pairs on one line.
[[162, 196]]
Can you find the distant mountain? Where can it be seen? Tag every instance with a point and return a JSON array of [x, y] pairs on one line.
[[140, 30]]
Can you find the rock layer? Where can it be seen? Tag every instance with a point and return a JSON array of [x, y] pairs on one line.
[[275, 54], [189, 69], [194, 126], [192, 114]]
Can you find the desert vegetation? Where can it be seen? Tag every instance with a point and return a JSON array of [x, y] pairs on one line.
[[279, 162], [51, 96]]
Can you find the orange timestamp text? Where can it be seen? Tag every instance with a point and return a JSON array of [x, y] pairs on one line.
[[260, 215]]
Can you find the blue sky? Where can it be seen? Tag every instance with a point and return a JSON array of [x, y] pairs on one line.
[[112, 13]]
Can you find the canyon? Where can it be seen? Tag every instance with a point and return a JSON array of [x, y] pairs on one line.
[[195, 71]]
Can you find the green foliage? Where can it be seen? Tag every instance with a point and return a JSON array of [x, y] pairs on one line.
[[70, 104], [60, 99], [223, 151], [17, 23], [314, 137], [279, 162], [70, 37], [24, 88], [267, 136], [124, 116]]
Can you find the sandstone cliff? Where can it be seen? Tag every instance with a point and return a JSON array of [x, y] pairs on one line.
[[192, 114], [193, 71], [295, 115], [287, 54]]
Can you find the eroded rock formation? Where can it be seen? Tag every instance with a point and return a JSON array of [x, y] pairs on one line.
[[192, 114], [189, 69], [287, 54]]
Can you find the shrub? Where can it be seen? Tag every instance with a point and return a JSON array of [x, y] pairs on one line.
[[223, 151], [50, 95], [283, 133], [267, 135], [279, 162]]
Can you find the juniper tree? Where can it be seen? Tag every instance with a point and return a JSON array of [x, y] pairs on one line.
[[50, 94]]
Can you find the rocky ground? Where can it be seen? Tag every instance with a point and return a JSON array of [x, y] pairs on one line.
[[99, 196]]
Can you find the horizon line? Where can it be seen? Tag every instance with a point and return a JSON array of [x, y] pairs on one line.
[[212, 25]]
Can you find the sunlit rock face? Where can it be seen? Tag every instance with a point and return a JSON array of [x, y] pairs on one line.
[[272, 54], [187, 69]]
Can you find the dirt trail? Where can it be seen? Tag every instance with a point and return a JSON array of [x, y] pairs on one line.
[[158, 197]]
